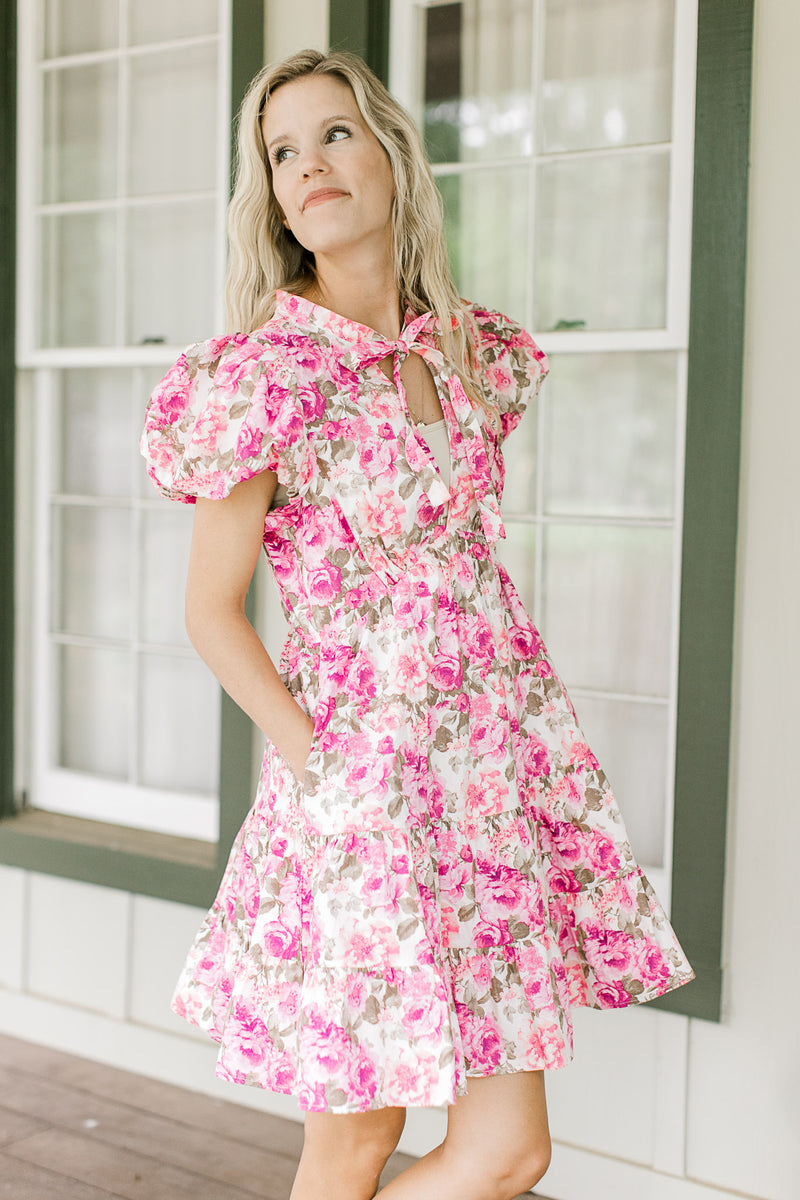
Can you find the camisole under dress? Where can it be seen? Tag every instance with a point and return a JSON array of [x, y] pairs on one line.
[[452, 874]]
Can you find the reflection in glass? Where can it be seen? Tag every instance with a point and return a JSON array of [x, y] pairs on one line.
[[607, 606], [478, 102], [179, 724], [97, 432], [79, 155], [517, 553], [630, 741], [93, 549], [173, 121], [609, 444], [95, 710], [601, 242], [171, 273], [75, 26], [163, 20], [607, 73], [166, 536], [77, 286], [486, 223]]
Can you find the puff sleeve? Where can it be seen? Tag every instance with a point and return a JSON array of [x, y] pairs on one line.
[[513, 367], [226, 410]]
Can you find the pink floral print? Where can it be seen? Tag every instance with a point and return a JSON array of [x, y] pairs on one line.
[[452, 876]]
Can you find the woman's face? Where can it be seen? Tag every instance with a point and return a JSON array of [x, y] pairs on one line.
[[330, 174]]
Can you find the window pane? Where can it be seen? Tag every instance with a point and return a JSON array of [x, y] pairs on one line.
[[521, 462], [93, 548], [162, 20], [601, 242], [78, 270], [95, 710], [80, 133], [179, 721], [478, 102], [518, 555], [166, 537], [74, 26], [630, 741], [607, 73], [486, 223], [607, 606], [173, 121], [172, 272], [97, 433], [610, 435]]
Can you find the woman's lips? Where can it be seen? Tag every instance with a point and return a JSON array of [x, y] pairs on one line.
[[321, 196]]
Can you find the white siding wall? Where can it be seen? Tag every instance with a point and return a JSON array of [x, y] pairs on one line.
[[655, 1105]]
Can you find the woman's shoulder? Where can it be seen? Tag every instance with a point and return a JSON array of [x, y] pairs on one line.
[[230, 354], [495, 331], [226, 409]]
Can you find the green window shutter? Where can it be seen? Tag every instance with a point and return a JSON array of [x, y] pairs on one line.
[[714, 404]]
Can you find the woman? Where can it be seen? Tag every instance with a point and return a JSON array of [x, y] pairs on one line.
[[434, 870]]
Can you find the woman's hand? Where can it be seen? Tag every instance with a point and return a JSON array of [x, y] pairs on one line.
[[226, 542], [297, 749]]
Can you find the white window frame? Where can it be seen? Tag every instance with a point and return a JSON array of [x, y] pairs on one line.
[[405, 80], [51, 787]]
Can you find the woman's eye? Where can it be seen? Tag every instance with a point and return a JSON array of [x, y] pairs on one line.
[[337, 129], [279, 155]]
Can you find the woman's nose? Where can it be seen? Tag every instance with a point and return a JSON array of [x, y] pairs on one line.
[[312, 163]]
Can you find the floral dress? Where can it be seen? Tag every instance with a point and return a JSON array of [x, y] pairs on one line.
[[452, 874]]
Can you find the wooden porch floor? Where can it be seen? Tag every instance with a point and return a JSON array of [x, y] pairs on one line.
[[72, 1129]]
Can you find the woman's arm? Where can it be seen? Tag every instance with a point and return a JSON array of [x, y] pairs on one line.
[[226, 542]]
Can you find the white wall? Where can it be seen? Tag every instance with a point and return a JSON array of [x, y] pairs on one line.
[[655, 1106]]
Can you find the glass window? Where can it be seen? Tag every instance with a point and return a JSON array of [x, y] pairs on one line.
[[133, 702], [551, 133], [123, 141], [122, 235]]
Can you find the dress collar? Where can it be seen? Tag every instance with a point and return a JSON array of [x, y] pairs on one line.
[[358, 343]]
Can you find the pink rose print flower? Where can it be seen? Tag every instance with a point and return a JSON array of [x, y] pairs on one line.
[[251, 1035], [536, 756], [478, 638], [485, 1045], [446, 673], [363, 1079], [609, 950], [209, 426], [325, 584], [171, 399], [412, 669], [612, 995], [364, 678], [280, 942], [488, 793], [488, 733], [380, 513], [525, 643], [282, 1074], [500, 378], [250, 442], [501, 888]]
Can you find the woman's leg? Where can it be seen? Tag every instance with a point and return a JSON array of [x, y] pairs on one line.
[[344, 1153], [497, 1144]]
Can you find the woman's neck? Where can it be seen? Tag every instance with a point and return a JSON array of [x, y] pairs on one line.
[[369, 296]]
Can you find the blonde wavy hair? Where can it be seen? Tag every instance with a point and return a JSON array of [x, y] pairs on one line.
[[265, 256]]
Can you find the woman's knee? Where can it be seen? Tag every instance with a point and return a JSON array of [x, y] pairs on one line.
[[503, 1171], [365, 1138]]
